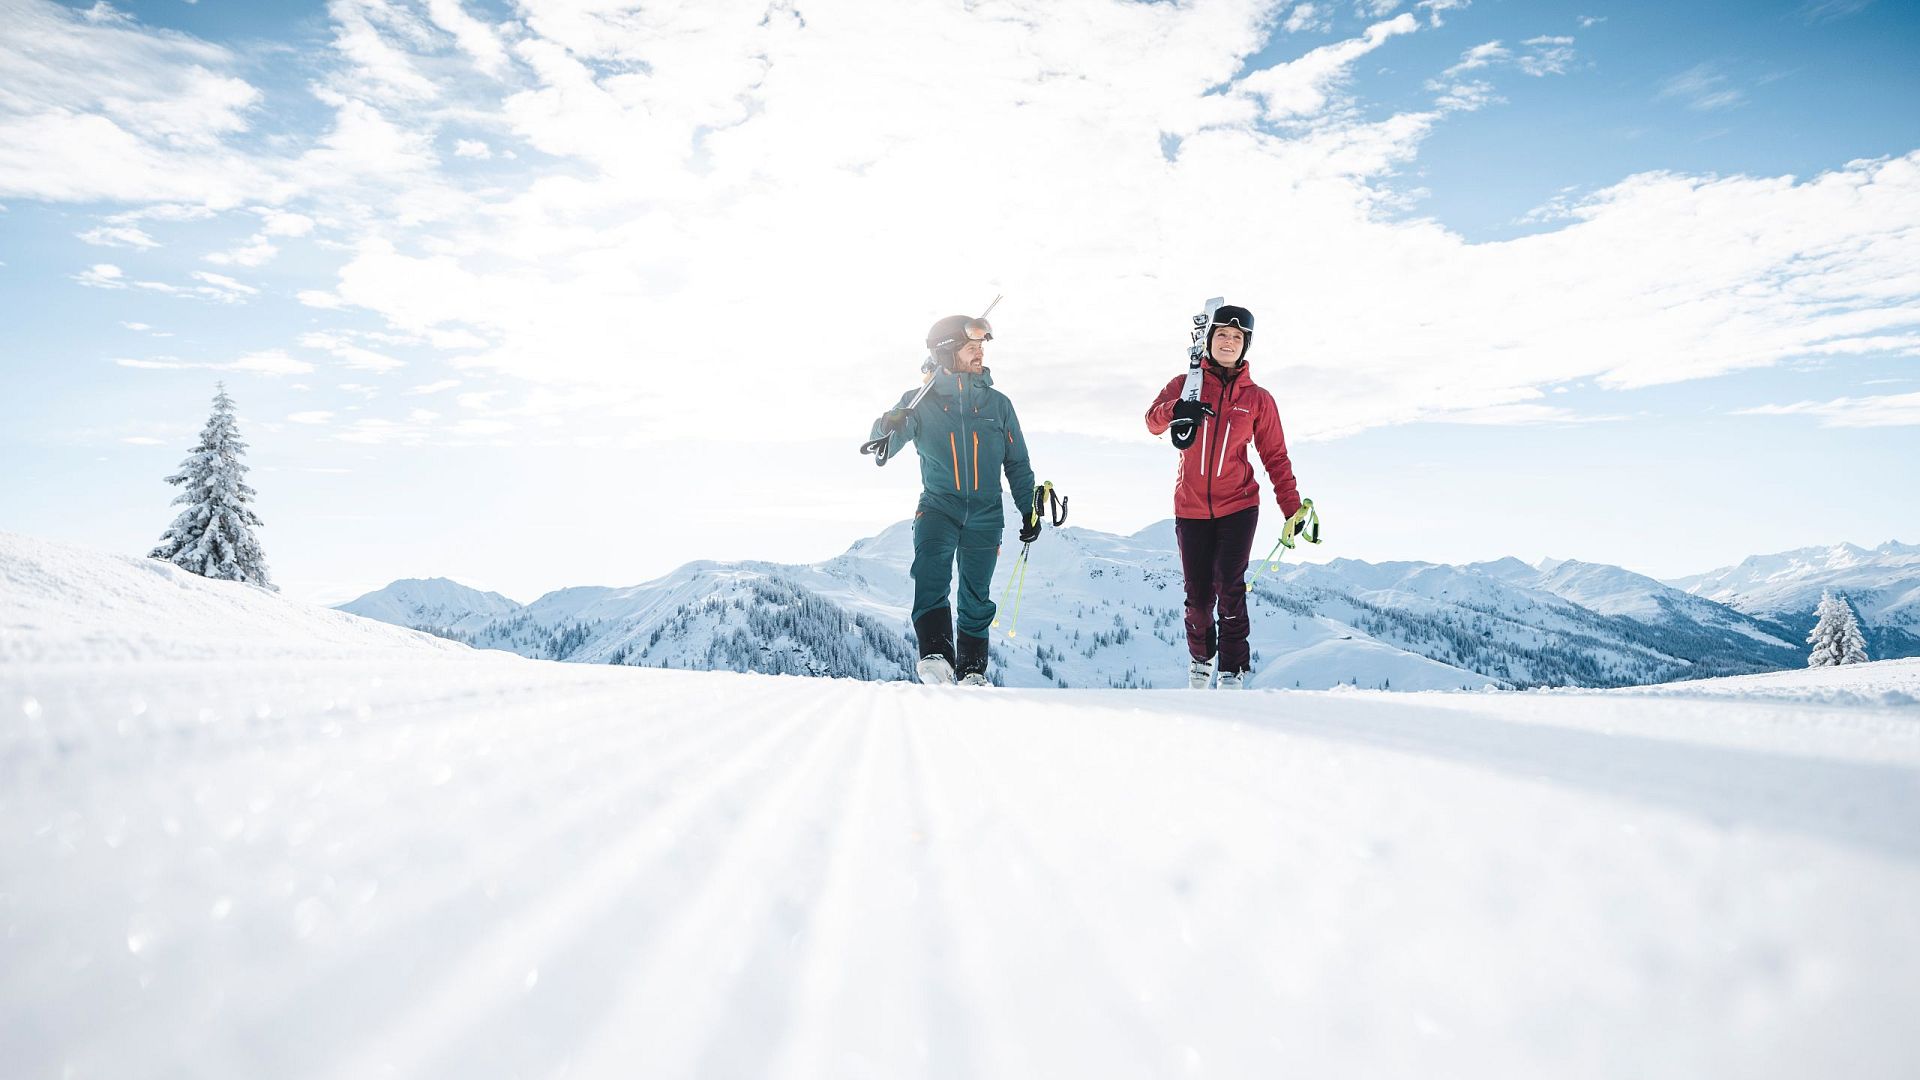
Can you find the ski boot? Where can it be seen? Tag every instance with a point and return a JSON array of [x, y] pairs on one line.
[[1232, 680], [1200, 674], [935, 633], [973, 661]]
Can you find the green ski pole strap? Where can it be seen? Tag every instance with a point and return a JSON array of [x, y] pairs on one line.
[[1305, 523]]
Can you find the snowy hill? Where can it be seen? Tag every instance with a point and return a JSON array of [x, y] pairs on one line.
[[434, 862], [59, 602], [435, 605], [1105, 610], [1882, 583]]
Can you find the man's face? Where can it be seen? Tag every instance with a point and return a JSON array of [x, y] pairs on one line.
[[1228, 344], [968, 358]]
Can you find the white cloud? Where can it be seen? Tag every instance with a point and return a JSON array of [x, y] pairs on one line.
[[255, 251], [1435, 8], [472, 148], [282, 223], [136, 326], [435, 387], [1302, 88], [720, 162], [1305, 17], [118, 236], [1818, 11], [355, 357], [102, 276], [264, 362], [142, 440], [1887, 410], [94, 106], [475, 38], [319, 298], [1478, 57], [1547, 56], [215, 287], [1588, 21], [1703, 88], [221, 283], [378, 432], [317, 416]]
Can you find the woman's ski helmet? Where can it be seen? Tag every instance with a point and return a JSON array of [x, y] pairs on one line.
[[1232, 315]]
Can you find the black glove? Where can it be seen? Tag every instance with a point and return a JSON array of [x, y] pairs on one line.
[[1191, 411], [893, 421], [1030, 529]]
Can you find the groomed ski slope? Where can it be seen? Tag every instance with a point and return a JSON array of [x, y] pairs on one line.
[[421, 862]]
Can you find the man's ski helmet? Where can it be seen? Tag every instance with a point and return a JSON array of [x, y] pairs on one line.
[[1232, 315], [950, 333]]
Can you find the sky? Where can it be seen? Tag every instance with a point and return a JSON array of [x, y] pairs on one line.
[[563, 292]]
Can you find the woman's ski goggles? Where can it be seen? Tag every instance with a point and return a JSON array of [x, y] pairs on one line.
[[1234, 316]]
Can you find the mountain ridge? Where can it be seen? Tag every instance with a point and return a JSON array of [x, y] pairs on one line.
[[1102, 609]]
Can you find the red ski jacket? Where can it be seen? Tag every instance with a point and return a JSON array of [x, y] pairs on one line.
[[1215, 478]]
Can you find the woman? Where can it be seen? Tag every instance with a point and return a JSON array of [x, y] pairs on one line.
[[966, 434], [1216, 500]]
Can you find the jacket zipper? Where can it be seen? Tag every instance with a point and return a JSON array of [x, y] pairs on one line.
[[976, 461], [1203, 455], [1220, 459], [953, 455]]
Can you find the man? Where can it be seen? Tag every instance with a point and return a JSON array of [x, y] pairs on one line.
[[1216, 500], [966, 434]]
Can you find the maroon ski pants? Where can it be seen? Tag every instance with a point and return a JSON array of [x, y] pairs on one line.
[[1213, 556]]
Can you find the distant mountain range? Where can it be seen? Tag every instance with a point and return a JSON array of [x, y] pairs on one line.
[[1105, 610], [1882, 584], [438, 605]]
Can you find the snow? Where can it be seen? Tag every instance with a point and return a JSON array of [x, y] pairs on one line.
[[290, 851], [59, 602]]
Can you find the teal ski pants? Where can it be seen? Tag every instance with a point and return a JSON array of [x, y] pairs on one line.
[[938, 537]]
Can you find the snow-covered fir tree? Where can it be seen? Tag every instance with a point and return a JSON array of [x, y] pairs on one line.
[[1836, 638], [213, 536]]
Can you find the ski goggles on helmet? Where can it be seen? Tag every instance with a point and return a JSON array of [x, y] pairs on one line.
[[1230, 315], [971, 330]]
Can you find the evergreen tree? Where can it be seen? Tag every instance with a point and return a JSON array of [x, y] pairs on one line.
[[1836, 638], [213, 536]]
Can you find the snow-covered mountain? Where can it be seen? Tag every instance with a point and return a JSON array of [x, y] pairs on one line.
[[1882, 583], [1105, 610], [435, 605]]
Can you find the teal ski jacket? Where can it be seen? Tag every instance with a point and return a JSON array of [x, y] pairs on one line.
[[966, 434]]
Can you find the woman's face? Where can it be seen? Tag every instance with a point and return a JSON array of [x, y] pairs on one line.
[[1228, 343]]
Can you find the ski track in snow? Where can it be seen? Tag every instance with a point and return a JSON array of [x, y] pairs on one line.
[[470, 865]]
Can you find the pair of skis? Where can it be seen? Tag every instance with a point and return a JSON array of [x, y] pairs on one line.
[[1182, 431], [882, 447]]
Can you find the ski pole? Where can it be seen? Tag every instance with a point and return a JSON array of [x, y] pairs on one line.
[[1019, 571], [1305, 522], [1042, 496]]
